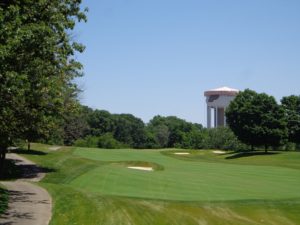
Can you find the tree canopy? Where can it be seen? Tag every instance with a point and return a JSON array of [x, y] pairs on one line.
[[256, 119], [37, 66], [291, 105]]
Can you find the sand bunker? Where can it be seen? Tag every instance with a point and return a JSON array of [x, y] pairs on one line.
[[181, 153], [54, 148], [219, 152], [140, 168]]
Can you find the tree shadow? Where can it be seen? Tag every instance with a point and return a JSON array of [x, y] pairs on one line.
[[27, 152], [249, 154], [13, 170], [10, 170], [20, 197], [33, 171]]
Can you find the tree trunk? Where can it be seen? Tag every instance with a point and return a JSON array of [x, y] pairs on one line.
[[266, 148], [2, 160], [252, 148], [28, 145]]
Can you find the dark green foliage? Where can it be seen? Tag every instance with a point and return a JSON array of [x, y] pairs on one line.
[[100, 122], [37, 50], [129, 130], [222, 138], [291, 106], [194, 139], [88, 141], [37, 67], [170, 131], [109, 142], [161, 134], [75, 126], [256, 119], [124, 130], [105, 141], [258, 115]]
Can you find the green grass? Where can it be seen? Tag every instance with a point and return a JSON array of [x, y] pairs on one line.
[[3, 199], [199, 181], [93, 186]]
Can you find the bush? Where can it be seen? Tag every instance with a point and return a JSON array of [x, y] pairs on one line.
[[222, 138], [88, 141], [193, 140], [108, 141]]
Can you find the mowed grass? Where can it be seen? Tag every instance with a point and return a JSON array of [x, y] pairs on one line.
[[185, 180], [94, 186]]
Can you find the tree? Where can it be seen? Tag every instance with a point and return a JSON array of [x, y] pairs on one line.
[[100, 122], [109, 142], [193, 139], [162, 135], [221, 138], [37, 65], [75, 125], [256, 119], [129, 130], [176, 129], [11, 98], [291, 106]]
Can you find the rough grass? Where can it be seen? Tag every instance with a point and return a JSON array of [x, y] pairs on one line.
[[92, 186], [3, 199]]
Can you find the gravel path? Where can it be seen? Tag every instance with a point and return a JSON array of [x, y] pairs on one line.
[[29, 204]]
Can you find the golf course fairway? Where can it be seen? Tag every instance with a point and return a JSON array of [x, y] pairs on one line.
[[96, 186]]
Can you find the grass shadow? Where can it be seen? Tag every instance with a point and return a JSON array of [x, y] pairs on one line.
[[249, 154]]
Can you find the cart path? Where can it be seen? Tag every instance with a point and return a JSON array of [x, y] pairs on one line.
[[28, 204]]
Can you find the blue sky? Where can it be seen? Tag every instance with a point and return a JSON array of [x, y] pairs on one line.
[[150, 57]]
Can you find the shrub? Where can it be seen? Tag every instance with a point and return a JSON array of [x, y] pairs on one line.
[[108, 141], [88, 141], [222, 138], [194, 139]]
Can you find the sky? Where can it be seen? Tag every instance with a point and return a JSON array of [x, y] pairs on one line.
[[157, 57]]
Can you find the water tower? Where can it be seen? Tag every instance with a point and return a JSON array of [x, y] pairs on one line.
[[217, 101]]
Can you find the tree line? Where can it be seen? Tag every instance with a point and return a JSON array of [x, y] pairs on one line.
[[255, 120], [100, 128]]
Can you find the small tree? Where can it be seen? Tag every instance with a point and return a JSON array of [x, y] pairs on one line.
[[256, 119]]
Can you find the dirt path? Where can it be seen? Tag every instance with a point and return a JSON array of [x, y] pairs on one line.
[[29, 204]]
